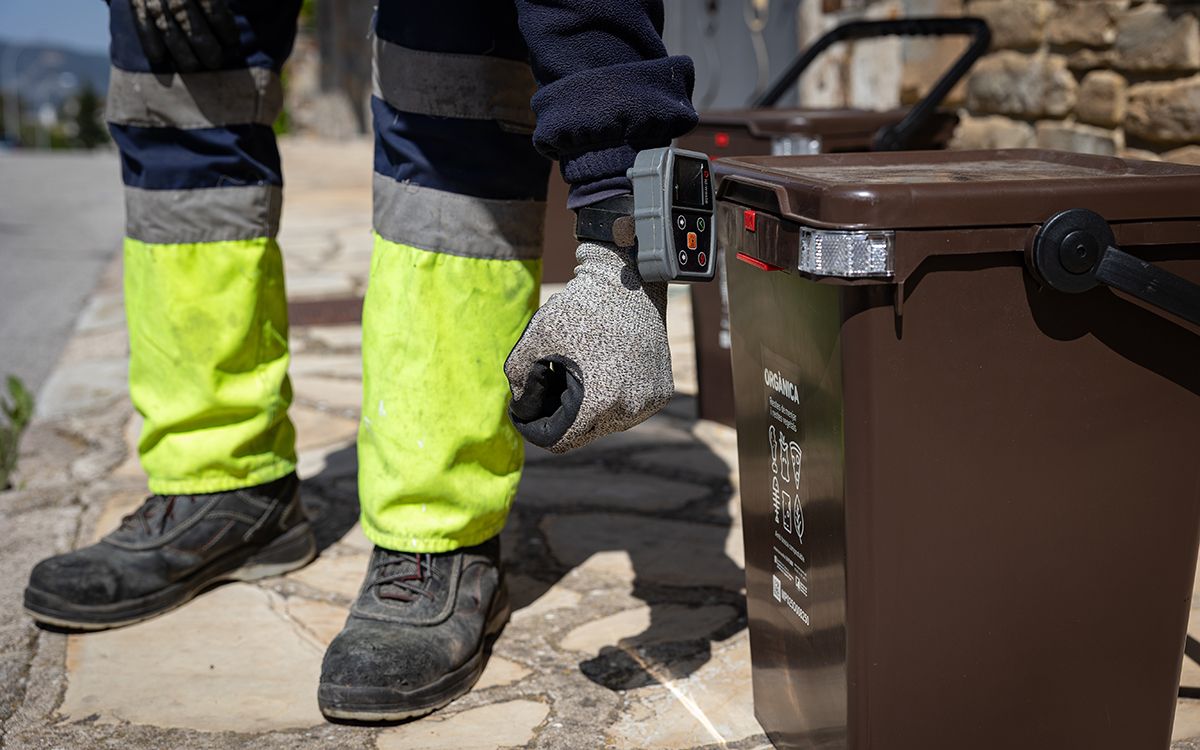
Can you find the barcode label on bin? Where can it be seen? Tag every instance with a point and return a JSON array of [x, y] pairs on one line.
[[789, 582]]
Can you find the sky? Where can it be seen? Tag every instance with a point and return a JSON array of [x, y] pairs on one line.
[[79, 24]]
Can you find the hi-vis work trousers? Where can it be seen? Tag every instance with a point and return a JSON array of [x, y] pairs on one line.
[[459, 197]]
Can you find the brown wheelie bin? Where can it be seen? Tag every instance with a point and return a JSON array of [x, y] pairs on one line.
[[968, 400], [764, 128]]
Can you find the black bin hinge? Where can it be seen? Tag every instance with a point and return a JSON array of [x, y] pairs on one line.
[[1076, 251]]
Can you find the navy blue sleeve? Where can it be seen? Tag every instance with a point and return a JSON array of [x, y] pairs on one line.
[[607, 88]]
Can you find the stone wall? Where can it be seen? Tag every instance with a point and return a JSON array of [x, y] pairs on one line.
[[1113, 77]]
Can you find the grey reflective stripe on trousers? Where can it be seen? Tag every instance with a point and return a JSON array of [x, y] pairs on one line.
[[202, 214], [194, 100], [441, 84], [453, 224]]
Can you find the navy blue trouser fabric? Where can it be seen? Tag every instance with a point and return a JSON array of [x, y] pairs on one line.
[[607, 90], [165, 158], [464, 156], [161, 158]]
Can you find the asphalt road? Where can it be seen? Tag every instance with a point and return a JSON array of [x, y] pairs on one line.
[[61, 221]]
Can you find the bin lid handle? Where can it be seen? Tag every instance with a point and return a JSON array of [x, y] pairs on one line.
[[1075, 251], [897, 136]]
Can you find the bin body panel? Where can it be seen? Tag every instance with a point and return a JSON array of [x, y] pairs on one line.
[[1038, 452], [1020, 502], [794, 531]]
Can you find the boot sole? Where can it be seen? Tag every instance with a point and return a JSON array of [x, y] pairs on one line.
[[373, 704], [291, 551]]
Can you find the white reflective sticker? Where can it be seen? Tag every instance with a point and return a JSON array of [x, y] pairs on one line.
[[825, 252]]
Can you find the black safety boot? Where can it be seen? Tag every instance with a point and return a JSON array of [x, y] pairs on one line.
[[169, 550], [418, 635]]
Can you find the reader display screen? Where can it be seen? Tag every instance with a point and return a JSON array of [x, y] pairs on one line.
[[691, 183]]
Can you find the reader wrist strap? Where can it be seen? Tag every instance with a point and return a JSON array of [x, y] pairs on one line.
[[609, 220]]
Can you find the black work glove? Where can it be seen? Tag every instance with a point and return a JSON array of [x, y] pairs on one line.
[[192, 34]]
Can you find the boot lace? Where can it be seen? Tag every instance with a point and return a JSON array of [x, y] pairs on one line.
[[159, 509], [404, 576]]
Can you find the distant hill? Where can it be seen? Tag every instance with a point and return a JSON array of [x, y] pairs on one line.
[[48, 73]]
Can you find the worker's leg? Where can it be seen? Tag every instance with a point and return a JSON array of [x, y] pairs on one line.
[[207, 333], [459, 194], [203, 275], [459, 204]]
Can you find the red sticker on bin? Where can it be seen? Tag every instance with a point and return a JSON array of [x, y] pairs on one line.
[[759, 264], [750, 220]]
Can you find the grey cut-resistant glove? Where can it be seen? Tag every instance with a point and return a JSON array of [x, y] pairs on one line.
[[595, 358], [192, 34]]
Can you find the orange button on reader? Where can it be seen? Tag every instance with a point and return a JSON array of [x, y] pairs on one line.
[[691, 240]]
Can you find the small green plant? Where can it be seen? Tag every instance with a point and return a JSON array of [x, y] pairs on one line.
[[17, 410]]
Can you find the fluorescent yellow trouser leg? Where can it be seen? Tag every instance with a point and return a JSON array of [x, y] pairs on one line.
[[439, 460], [208, 363]]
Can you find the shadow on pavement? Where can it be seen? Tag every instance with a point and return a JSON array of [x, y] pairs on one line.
[[564, 515], [677, 551], [331, 497]]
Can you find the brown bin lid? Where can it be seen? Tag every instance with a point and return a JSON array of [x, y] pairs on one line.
[[941, 189], [817, 122]]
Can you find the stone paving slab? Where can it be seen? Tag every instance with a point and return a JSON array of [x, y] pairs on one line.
[[625, 563], [233, 659]]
